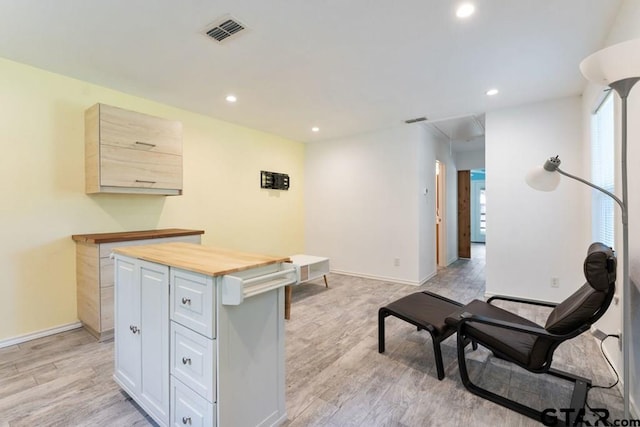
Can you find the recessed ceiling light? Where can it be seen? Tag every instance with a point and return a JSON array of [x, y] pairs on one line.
[[465, 10], [231, 98], [315, 129], [492, 92]]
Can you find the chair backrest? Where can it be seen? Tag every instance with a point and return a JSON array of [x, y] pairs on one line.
[[580, 310], [588, 303]]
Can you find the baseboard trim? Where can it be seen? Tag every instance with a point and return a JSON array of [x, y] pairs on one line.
[[429, 277], [39, 334], [382, 278]]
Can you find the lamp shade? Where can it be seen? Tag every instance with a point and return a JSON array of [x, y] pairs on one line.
[[617, 62], [542, 179]]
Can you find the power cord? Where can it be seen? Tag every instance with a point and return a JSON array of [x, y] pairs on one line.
[[614, 370]]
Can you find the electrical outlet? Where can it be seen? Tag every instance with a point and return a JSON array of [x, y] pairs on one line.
[[555, 282], [396, 262]]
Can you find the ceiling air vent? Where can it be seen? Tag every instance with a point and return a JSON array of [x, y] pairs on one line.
[[224, 28], [416, 120]]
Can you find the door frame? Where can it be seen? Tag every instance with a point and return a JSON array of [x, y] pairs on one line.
[[441, 214]]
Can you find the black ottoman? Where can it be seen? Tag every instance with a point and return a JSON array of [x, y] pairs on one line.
[[426, 311]]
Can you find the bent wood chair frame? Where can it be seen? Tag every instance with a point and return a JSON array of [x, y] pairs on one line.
[[581, 385]]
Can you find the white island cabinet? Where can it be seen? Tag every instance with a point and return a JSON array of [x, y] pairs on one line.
[[199, 334]]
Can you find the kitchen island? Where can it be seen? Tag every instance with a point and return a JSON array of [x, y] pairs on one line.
[[199, 334]]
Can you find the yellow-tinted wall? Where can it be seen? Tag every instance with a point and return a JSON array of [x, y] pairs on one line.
[[43, 200]]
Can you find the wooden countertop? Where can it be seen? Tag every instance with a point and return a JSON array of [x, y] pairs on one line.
[[200, 259], [134, 235]]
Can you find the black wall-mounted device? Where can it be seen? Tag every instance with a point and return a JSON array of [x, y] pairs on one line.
[[274, 180]]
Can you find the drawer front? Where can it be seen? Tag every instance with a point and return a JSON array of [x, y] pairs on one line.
[[189, 409], [124, 167], [129, 129], [193, 301], [107, 248], [193, 360]]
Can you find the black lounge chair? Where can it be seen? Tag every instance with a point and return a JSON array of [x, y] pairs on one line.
[[514, 338]]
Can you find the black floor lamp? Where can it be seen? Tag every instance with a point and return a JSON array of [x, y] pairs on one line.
[[618, 67]]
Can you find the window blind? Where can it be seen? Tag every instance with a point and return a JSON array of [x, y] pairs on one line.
[[602, 172]]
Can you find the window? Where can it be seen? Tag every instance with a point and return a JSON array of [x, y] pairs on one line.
[[483, 212], [602, 171]]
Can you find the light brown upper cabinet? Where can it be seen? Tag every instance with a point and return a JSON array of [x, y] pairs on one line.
[[130, 152]]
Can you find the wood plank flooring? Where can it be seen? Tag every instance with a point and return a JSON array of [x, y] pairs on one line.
[[335, 375]]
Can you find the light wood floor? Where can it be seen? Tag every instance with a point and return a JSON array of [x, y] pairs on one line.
[[335, 375]]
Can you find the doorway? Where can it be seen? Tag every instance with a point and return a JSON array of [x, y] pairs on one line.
[[441, 234]]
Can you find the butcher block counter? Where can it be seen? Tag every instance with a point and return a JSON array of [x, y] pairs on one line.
[[200, 259], [199, 333], [126, 236]]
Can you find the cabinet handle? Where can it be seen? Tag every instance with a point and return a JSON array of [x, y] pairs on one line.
[[186, 361], [134, 329], [145, 143], [186, 420], [186, 301], [145, 182]]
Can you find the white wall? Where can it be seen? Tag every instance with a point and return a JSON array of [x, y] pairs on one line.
[[426, 206], [467, 160], [365, 204], [433, 148], [533, 236], [44, 203], [443, 155]]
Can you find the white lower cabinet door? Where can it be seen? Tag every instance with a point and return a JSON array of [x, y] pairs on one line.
[[127, 324], [154, 335], [142, 334], [188, 408]]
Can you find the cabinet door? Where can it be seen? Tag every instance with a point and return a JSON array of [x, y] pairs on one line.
[[127, 326], [154, 335], [130, 129], [122, 167]]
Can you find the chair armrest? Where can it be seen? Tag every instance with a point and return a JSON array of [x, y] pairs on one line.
[[521, 300], [532, 330]]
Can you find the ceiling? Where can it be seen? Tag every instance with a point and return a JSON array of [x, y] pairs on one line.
[[345, 66], [465, 133]]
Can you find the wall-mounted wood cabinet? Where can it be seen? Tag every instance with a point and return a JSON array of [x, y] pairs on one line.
[[130, 152]]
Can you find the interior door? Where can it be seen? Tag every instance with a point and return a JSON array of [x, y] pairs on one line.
[[464, 214]]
